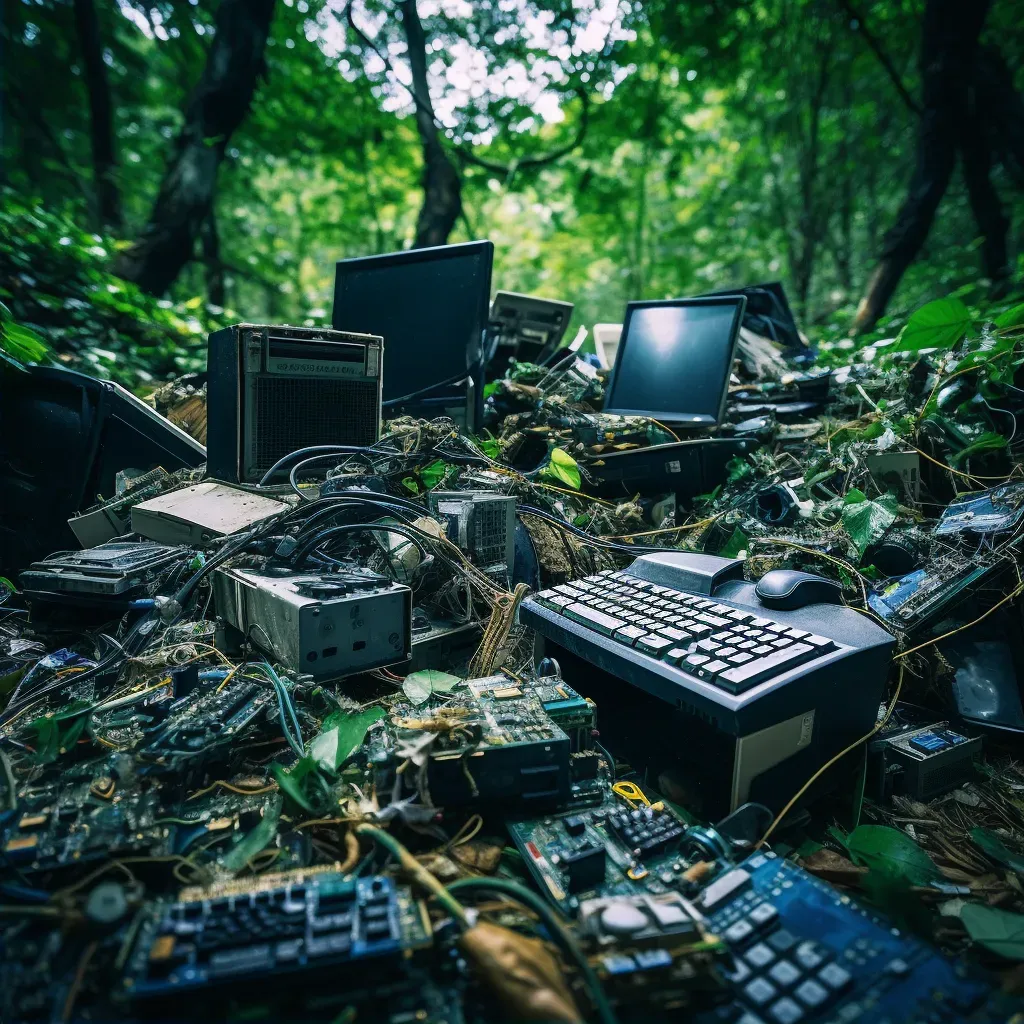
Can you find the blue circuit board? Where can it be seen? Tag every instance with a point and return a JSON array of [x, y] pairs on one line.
[[801, 951]]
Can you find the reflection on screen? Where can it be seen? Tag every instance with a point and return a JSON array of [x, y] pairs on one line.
[[428, 313], [675, 361]]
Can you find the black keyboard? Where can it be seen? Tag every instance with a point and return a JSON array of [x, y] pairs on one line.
[[718, 643]]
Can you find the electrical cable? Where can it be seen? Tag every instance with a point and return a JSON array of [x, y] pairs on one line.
[[555, 927], [307, 546], [828, 764], [293, 481], [340, 449]]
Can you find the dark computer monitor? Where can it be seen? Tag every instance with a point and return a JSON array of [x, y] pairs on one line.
[[674, 359], [527, 326], [430, 306]]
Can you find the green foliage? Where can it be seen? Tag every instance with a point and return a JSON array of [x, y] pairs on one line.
[[295, 782], [939, 324], [20, 342], [562, 469], [866, 520], [418, 686], [57, 281], [257, 838], [58, 732], [990, 844], [890, 853], [340, 736], [996, 930], [735, 544]]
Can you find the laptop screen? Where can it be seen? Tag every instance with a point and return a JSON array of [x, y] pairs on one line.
[[674, 359]]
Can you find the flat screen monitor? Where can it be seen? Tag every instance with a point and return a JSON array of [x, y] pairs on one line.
[[430, 306], [674, 359]]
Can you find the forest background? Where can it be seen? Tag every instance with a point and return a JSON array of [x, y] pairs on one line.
[[171, 166]]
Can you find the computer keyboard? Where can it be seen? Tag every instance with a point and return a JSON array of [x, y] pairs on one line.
[[716, 642], [754, 699]]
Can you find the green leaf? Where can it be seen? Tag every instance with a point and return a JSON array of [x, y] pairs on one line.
[[491, 389], [995, 848], [865, 521], [291, 782], [5, 314], [341, 735], [891, 854], [737, 469], [939, 324], [562, 467], [735, 544], [433, 473], [22, 343], [410, 484], [854, 496], [996, 930], [418, 686], [490, 448], [257, 839], [1013, 317], [987, 442]]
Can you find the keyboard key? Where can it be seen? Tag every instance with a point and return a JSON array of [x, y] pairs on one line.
[[785, 1011], [771, 665], [653, 644], [822, 643], [555, 601], [721, 609], [835, 977], [697, 629], [811, 994], [763, 649], [784, 974], [760, 991], [566, 591], [726, 653], [673, 634], [798, 634], [760, 623], [711, 669], [604, 624], [747, 645], [737, 616], [675, 655], [739, 658], [808, 955], [629, 634], [783, 641], [694, 661], [775, 627], [711, 620], [759, 956]]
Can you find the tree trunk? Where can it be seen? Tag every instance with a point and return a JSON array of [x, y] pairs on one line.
[[101, 116], [442, 187], [949, 41], [215, 290], [215, 109]]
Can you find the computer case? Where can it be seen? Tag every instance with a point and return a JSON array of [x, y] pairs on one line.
[[274, 389]]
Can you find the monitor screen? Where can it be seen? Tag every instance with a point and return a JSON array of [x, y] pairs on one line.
[[430, 307], [674, 359]]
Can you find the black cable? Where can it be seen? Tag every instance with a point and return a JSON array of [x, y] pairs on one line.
[[293, 473], [340, 449], [307, 546]]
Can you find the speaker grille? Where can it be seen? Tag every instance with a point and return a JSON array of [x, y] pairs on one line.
[[490, 526], [295, 412]]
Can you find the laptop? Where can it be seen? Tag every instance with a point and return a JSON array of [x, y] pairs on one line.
[[673, 365]]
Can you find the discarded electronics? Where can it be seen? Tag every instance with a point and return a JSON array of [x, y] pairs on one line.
[[326, 625], [202, 514]]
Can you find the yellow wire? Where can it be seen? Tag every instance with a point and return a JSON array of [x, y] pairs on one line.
[[928, 643], [664, 529], [828, 764], [957, 472], [668, 430], [632, 792], [234, 789]]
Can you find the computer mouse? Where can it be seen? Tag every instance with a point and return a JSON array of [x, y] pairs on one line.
[[787, 589]]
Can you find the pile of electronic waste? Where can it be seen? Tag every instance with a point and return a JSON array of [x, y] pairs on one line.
[[575, 718]]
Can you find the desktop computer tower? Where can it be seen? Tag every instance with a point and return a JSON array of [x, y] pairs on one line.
[[274, 389]]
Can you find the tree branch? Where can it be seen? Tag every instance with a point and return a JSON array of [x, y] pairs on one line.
[[883, 58]]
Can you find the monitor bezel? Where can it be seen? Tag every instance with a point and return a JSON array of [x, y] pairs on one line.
[[483, 248], [676, 416]]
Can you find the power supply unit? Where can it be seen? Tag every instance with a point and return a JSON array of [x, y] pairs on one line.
[[324, 624], [919, 761], [272, 390], [481, 523]]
